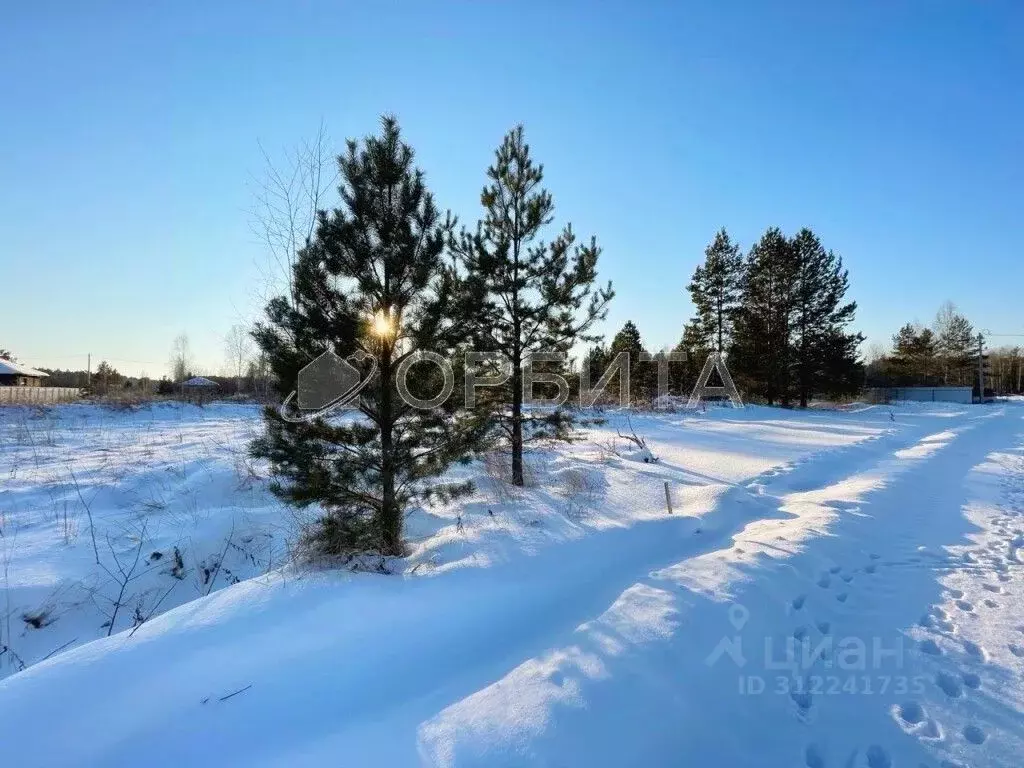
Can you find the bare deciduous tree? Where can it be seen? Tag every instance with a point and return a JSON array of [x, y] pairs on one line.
[[181, 358], [287, 200], [238, 350]]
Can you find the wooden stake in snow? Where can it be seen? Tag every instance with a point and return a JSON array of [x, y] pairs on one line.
[[668, 498]]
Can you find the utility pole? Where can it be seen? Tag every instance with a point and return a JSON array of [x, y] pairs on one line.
[[981, 368], [88, 370]]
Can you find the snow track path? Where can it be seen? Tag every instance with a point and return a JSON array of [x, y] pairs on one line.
[[857, 563], [859, 607]]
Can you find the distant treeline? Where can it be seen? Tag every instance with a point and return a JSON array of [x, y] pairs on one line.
[[945, 354], [108, 380]]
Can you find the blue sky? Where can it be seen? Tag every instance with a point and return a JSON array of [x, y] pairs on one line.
[[131, 131]]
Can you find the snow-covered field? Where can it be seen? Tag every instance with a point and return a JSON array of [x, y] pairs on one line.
[[833, 589]]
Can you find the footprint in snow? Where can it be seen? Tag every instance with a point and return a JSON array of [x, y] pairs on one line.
[[1016, 650], [824, 582], [956, 594], [878, 757], [911, 713], [971, 680], [995, 588], [841, 597], [974, 649], [990, 603], [813, 757], [798, 602], [949, 685], [802, 699], [912, 718], [974, 734], [847, 577], [964, 605], [930, 647]]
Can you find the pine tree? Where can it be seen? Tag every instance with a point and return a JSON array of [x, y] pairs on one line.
[[595, 361], [106, 378], [842, 370], [526, 294], [373, 280], [914, 355], [958, 346], [715, 292], [759, 359], [824, 357], [694, 347], [628, 340], [7, 355]]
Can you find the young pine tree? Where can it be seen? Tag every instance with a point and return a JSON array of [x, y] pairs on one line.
[[640, 379], [694, 349], [914, 355], [715, 292], [527, 296], [372, 280], [595, 360]]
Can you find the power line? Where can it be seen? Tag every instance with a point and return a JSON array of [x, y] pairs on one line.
[[86, 356]]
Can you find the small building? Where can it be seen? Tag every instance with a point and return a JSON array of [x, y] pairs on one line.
[[198, 389], [17, 375]]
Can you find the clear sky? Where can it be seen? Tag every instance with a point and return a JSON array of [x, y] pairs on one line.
[[129, 141]]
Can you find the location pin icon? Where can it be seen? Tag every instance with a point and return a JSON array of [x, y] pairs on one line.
[[738, 615]]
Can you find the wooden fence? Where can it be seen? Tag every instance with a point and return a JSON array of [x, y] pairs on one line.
[[37, 395]]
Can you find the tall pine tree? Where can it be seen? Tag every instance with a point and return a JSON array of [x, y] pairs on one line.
[[759, 358], [527, 296], [373, 280], [790, 339], [715, 293], [824, 357]]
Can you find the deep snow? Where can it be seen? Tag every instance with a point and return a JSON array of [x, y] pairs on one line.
[[835, 589]]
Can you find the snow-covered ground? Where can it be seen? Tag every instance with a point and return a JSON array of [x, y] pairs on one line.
[[833, 589]]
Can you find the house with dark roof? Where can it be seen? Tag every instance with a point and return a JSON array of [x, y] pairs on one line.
[[17, 375]]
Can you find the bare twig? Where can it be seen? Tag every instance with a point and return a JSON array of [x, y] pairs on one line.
[[235, 693], [88, 511], [637, 440], [126, 576], [153, 610], [55, 651], [220, 560]]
